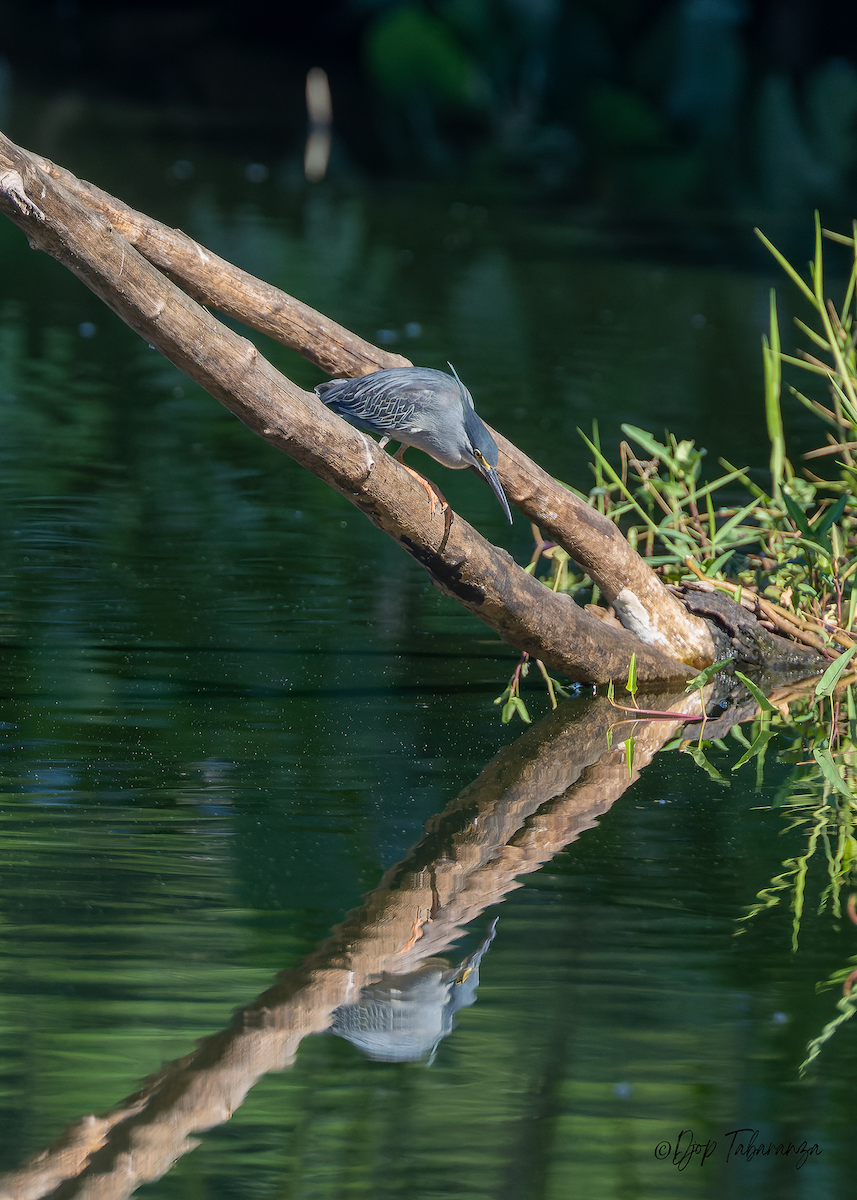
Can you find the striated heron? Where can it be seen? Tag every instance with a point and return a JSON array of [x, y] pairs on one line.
[[422, 407]]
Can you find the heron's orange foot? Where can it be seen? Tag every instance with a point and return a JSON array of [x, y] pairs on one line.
[[434, 495], [416, 934]]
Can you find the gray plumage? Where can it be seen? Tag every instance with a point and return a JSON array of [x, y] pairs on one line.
[[403, 1018], [422, 407]]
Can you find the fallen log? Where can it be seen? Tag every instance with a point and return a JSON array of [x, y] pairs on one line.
[[136, 264], [596, 545], [463, 564]]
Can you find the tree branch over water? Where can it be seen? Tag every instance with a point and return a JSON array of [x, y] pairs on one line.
[[596, 545], [550, 627]]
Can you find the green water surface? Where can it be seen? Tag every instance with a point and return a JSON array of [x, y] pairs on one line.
[[229, 704]]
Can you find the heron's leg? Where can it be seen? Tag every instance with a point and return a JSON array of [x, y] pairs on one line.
[[435, 496], [416, 933]]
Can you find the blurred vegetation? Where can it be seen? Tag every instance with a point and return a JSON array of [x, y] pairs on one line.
[[641, 103]]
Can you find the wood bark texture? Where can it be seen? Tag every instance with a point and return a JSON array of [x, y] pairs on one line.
[[463, 564], [638, 596]]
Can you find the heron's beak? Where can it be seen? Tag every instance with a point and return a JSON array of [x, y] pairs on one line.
[[493, 478]]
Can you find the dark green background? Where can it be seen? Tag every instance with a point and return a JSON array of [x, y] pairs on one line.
[[229, 704]]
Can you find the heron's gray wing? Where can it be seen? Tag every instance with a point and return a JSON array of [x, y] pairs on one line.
[[381, 405]]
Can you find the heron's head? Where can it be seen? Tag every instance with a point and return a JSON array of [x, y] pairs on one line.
[[479, 447]]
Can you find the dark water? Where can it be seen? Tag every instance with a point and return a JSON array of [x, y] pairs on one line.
[[229, 705]]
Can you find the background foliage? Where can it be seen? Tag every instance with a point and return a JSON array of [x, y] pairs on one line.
[[638, 102]]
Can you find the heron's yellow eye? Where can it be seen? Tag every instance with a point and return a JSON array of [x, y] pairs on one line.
[[479, 456]]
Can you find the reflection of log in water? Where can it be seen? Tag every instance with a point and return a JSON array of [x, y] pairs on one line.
[[534, 798]]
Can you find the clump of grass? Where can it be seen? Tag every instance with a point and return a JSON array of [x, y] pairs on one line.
[[790, 553]]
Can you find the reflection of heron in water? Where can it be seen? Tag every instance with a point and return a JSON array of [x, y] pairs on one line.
[[403, 1018]]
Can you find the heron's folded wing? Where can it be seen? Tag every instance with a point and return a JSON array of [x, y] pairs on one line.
[[372, 403]]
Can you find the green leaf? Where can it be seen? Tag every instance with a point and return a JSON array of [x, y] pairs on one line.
[[830, 678], [631, 685], [831, 517], [629, 756], [649, 444], [756, 692], [698, 756], [815, 546], [831, 772], [522, 710], [737, 733], [719, 563], [699, 681], [757, 747], [792, 756], [797, 515]]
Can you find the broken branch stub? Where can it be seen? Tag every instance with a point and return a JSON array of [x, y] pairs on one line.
[[482, 578]]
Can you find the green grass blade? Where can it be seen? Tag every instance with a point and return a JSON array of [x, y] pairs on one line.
[[719, 563], [812, 335], [830, 678], [603, 464], [773, 389], [751, 487], [813, 368], [787, 267], [818, 266], [735, 473], [724, 530]]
